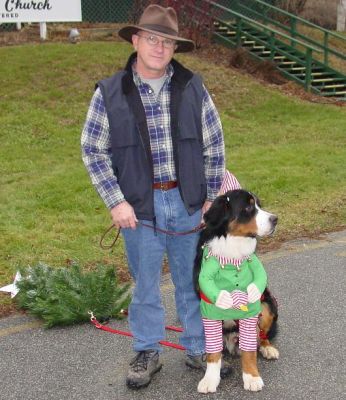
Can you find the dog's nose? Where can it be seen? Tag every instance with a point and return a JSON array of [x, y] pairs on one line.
[[274, 220]]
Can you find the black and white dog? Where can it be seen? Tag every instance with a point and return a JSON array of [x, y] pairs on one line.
[[232, 226]]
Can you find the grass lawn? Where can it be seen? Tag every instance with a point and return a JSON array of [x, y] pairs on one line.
[[290, 152]]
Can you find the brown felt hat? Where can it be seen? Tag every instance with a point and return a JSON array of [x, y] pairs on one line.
[[160, 21]]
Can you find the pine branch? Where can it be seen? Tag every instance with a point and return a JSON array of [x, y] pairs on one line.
[[63, 296]]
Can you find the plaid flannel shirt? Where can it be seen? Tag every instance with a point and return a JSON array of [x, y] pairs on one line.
[[96, 141]]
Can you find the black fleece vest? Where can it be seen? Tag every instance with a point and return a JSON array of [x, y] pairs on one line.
[[131, 154]]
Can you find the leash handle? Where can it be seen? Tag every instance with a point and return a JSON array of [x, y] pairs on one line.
[[109, 246]]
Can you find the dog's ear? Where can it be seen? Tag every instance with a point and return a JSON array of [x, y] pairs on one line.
[[219, 214]]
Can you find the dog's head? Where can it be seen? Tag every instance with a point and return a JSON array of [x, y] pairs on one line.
[[238, 213]]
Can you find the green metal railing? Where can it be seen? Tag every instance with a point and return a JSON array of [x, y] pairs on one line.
[[270, 14], [273, 43]]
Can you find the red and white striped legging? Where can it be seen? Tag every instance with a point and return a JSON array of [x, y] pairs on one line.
[[247, 334]]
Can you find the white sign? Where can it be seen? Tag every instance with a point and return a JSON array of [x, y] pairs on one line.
[[40, 10]]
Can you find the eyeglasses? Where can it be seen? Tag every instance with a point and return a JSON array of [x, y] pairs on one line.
[[153, 40]]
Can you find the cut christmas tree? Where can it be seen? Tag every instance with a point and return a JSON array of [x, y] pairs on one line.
[[63, 296]]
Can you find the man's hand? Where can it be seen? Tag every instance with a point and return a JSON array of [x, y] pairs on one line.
[[205, 208], [123, 216]]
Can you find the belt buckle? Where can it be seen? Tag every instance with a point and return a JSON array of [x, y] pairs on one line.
[[163, 186]]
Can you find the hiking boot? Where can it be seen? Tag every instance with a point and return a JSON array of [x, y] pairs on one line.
[[200, 362], [142, 368], [196, 362]]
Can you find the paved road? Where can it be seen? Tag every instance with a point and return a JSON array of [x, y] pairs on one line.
[[308, 278]]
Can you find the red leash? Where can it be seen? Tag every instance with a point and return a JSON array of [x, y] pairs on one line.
[[98, 325]]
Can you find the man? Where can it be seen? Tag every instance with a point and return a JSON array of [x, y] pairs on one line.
[[153, 146]]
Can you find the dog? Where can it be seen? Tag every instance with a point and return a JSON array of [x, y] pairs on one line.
[[225, 259]]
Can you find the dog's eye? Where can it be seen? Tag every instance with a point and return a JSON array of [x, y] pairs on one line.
[[249, 208]]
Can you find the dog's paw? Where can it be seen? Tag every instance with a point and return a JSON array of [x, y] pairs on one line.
[[252, 383], [269, 352], [208, 384]]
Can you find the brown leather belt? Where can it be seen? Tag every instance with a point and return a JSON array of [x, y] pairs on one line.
[[165, 185]]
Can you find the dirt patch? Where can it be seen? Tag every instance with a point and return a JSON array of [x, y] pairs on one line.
[[263, 71], [123, 274], [240, 60], [9, 309], [294, 90], [214, 53]]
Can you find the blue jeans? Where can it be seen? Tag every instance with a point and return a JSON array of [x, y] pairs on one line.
[[145, 252]]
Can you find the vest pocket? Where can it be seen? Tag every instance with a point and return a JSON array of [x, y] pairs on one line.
[[191, 168], [126, 151], [125, 134], [188, 131]]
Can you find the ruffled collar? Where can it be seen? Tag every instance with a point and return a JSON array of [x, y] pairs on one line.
[[231, 249], [228, 260]]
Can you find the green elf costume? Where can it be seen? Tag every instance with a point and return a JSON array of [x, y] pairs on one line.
[[231, 289]]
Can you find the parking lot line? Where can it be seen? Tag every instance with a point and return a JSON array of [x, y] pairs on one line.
[[20, 328]]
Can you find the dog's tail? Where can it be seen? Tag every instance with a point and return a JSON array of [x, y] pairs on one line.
[[204, 237], [273, 307], [198, 262]]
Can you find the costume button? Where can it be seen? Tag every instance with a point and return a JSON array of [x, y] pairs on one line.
[[150, 91]]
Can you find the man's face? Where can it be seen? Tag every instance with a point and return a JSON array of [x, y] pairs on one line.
[[154, 53]]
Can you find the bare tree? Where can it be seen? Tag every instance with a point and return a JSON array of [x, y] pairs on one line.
[[293, 6]]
